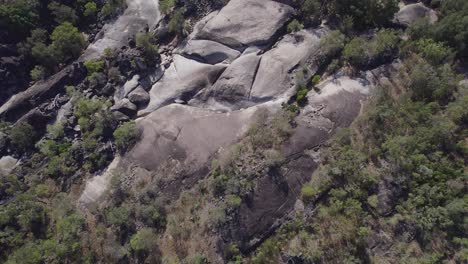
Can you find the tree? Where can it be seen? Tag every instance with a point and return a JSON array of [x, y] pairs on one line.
[[355, 52], [18, 17], [63, 13], [23, 136], [144, 241], [366, 13], [67, 41], [90, 9]]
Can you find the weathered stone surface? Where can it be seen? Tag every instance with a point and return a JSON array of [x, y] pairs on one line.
[[273, 76], [131, 84], [208, 51], [139, 96], [246, 22], [125, 106], [412, 12], [182, 80], [7, 164], [233, 86], [22, 102]]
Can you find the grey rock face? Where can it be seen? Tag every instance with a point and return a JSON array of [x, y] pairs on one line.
[[139, 96], [125, 106], [273, 76], [412, 12], [233, 86], [209, 51], [131, 85], [246, 22], [184, 78]]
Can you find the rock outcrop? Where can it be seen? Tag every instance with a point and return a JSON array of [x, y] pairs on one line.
[[273, 76], [183, 79], [413, 12], [246, 23]]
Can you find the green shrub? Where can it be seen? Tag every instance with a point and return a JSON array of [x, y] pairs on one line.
[[166, 5], [301, 94], [295, 26], [23, 136], [126, 136], [93, 66], [355, 52], [144, 241], [55, 131], [233, 200], [435, 53], [90, 9], [109, 53], [147, 42], [38, 73], [308, 193], [114, 74], [62, 13], [176, 23], [332, 44]]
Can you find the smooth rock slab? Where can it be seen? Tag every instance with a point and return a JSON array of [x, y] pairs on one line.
[[273, 76], [233, 86], [246, 23], [182, 80]]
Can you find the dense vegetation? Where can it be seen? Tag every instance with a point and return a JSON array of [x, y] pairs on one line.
[[49, 34], [394, 181]]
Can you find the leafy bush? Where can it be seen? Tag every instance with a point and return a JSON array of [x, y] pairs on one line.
[[308, 193], [38, 73], [144, 241], [176, 23], [332, 44], [435, 53], [166, 5], [90, 9], [126, 136], [301, 93], [93, 66], [294, 26], [147, 42]]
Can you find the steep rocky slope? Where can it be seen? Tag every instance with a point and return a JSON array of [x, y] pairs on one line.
[[226, 125]]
